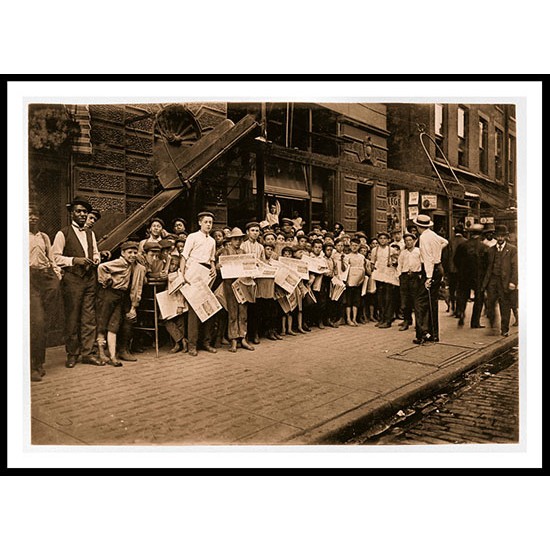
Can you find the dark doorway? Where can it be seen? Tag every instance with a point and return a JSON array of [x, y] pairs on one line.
[[364, 208]]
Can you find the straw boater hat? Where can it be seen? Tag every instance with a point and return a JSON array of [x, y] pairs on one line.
[[422, 220], [476, 228]]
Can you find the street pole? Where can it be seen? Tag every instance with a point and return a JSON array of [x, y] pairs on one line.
[[260, 164]]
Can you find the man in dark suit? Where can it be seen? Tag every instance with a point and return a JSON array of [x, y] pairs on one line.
[[75, 252], [470, 260], [501, 278]]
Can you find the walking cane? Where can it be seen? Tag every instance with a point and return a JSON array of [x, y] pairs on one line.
[[431, 312]]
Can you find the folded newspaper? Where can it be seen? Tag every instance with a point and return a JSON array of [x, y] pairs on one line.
[[300, 266], [201, 299], [175, 281], [244, 289], [238, 265], [337, 288]]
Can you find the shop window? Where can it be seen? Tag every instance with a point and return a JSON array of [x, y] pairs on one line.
[[511, 159], [499, 144], [439, 129]]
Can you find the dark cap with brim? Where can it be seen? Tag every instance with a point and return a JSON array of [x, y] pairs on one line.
[[129, 244], [151, 246], [205, 213]]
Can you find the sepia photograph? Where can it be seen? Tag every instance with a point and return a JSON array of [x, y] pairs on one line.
[[273, 273]]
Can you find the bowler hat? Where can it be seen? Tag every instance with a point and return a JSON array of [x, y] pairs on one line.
[[489, 228], [178, 220], [235, 232], [501, 230], [423, 220], [79, 200], [96, 213], [129, 244]]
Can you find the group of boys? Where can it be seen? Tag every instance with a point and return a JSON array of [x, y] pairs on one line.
[[383, 279]]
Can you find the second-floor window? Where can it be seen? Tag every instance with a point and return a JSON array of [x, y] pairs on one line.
[[499, 144], [462, 132], [439, 129], [511, 159], [483, 146]]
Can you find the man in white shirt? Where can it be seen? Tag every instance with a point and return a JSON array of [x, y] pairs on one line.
[[431, 245], [75, 252], [43, 292], [200, 247]]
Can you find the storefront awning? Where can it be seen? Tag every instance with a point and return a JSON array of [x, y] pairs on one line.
[[174, 175], [286, 179]]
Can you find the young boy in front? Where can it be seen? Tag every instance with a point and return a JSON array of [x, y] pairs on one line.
[[121, 283]]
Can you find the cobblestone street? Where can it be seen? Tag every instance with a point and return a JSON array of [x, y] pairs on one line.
[[484, 410]]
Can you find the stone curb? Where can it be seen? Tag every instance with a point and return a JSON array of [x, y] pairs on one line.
[[358, 420]]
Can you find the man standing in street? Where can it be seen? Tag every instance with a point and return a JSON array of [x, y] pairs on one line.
[[431, 246], [75, 252], [44, 292], [501, 278], [451, 269], [471, 262], [200, 247]]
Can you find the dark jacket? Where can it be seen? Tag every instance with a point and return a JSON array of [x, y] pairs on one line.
[[470, 260], [509, 271]]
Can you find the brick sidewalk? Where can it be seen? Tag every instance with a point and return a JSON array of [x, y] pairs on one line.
[[301, 390]]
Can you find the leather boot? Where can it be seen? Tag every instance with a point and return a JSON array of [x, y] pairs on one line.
[[125, 335], [35, 375], [125, 355]]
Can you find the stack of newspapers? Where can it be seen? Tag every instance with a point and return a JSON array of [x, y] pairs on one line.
[[337, 288]]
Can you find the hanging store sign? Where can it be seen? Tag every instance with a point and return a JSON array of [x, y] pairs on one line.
[[396, 210], [429, 202]]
